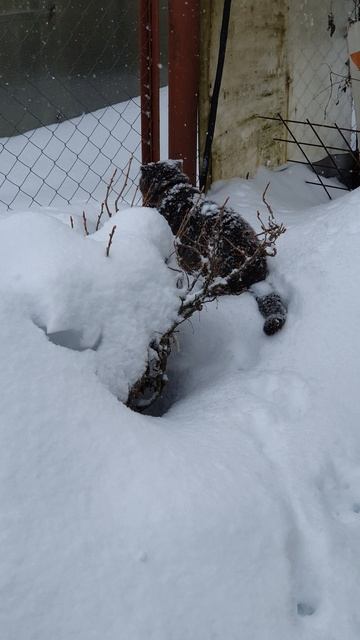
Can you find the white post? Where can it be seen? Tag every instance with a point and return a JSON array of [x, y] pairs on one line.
[[354, 56]]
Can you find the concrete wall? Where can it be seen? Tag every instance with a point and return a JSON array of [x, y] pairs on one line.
[[254, 83], [277, 61]]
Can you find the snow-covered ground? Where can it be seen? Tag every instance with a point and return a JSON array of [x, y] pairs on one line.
[[236, 514], [72, 161]]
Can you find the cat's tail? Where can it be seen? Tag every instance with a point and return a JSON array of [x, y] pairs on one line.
[[271, 307]]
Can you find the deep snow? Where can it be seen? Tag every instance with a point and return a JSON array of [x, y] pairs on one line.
[[236, 515]]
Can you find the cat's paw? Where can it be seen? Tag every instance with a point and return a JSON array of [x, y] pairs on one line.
[[273, 324]]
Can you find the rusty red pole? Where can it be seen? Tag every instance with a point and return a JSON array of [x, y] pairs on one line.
[[150, 80], [184, 40]]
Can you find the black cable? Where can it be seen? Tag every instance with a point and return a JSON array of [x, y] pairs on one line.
[[215, 95]]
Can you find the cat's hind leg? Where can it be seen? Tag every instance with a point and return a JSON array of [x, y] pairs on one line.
[[271, 307]]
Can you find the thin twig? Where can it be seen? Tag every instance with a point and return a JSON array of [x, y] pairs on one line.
[[111, 235], [124, 185], [183, 224], [134, 196], [266, 203], [71, 222], [85, 223], [108, 191], [100, 216]]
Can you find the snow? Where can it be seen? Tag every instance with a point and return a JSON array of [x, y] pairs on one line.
[[233, 515], [66, 287]]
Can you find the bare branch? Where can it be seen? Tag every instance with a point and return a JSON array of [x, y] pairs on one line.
[[85, 223], [108, 191], [124, 185], [271, 213], [100, 216], [134, 196], [111, 235]]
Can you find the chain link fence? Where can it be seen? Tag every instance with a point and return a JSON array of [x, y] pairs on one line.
[[69, 106], [319, 84]]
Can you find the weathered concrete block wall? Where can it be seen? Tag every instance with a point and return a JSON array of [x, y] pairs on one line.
[[254, 83], [278, 59]]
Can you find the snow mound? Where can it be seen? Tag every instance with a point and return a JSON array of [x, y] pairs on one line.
[[102, 310], [236, 515]]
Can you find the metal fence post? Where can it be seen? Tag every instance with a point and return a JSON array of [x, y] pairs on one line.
[[184, 28], [150, 80]]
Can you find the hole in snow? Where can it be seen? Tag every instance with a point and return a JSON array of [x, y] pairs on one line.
[[162, 404], [173, 390], [356, 507], [305, 609], [72, 339]]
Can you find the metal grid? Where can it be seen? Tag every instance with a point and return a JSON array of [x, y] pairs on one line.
[[68, 117], [335, 162]]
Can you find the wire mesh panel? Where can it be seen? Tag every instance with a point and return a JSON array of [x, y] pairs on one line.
[[69, 111]]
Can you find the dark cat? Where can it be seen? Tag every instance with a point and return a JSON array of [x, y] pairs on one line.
[[164, 186]]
